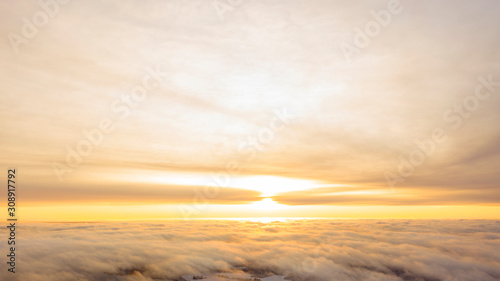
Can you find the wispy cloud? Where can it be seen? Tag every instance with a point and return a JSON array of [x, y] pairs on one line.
[[353, 120]]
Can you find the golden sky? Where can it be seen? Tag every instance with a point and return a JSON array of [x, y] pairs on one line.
[[170, 109]]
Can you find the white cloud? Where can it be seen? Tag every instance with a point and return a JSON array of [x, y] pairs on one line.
[[344, 250]]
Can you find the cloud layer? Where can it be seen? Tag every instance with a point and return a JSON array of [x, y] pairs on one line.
[[315, 250]]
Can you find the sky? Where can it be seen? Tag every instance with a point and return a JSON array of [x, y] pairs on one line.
[[199, 109]]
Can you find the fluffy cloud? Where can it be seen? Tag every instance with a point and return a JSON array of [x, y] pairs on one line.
[[344, 250]]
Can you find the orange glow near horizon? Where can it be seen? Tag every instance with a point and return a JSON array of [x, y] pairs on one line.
[[266, 209], [170, 195]]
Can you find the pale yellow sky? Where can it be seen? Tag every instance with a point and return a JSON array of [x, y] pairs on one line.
[[262, 86]]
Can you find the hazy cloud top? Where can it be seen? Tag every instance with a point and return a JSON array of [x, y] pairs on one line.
[[344, 250]]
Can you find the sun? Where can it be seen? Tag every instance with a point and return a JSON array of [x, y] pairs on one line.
[[267, 204]]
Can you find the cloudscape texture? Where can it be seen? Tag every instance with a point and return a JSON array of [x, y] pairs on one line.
[[347, 250], [311, 140]]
